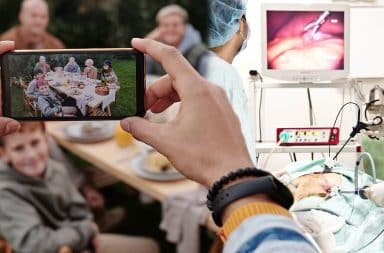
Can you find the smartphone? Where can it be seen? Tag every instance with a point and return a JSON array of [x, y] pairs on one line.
[[79, 84]]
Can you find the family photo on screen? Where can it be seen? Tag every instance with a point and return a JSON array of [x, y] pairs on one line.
[[64, 85]]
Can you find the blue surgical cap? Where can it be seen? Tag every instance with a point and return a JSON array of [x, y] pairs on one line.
[[224, 18]]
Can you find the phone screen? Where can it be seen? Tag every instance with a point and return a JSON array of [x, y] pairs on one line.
[[73, 84]]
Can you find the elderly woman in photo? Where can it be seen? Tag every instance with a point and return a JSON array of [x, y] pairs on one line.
[[72, 66], [107, 73], [90, 71]]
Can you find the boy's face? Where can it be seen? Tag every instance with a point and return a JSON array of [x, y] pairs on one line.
[[39, 75], [27, 151], [44, 90]]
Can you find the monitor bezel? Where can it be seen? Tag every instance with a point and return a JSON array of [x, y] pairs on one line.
[[305, 76]]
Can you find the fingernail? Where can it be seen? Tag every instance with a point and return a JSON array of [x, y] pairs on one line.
[[11, 127], [125, 124], [7, 42]]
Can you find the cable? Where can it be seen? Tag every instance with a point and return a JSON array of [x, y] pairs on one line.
[[341, 149], [357, 169], [310, 107], [338, 114], [260, 105], [369, 104], [312, 119], [324, 210], [342, 114], [269, 155], [369, 243], [256, 76]]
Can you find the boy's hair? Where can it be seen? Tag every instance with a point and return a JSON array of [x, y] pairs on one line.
[[27, 127], [41, 82]]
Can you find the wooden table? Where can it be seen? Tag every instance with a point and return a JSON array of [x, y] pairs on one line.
[[112, 159], [115, 161]]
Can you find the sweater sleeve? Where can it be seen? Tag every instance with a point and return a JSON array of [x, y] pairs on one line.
[[22, 227], [46, 109], [268, 233]]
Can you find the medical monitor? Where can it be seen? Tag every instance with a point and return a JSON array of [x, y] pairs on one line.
[[305, 42]]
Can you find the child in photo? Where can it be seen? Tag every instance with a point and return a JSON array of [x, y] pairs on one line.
[[49, 104], [32, 91], [41, 210]]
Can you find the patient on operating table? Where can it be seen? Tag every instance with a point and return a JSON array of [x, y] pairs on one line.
[[317, 184], [327, 208]]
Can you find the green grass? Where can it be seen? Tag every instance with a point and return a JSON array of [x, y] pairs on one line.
[[126, 99], [17, 102]]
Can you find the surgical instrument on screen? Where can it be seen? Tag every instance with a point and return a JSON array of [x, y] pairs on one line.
[[315, 25]]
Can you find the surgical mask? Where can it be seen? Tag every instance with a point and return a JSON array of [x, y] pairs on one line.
[[245, 40]]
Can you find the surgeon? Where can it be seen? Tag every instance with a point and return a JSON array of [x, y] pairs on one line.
[[228, 33]]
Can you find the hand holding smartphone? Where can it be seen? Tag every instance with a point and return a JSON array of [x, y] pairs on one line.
[[81, 84]]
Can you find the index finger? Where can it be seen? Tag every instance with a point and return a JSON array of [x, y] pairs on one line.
[[6, 46], [173, 62]]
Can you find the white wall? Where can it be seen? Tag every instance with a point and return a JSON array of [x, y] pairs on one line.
[[289, 107]]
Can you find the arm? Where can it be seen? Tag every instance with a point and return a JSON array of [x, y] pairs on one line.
[[31, 89], [205, 107], [46, 108], [23, 228]]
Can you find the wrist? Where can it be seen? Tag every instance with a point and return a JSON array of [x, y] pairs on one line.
[[222, 169], [228, 210], [244, 186]]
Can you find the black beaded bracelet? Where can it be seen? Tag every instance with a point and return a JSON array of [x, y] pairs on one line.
[[232, 176], [265, 183]]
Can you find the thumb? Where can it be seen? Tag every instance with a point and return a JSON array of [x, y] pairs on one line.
[[142, 129]]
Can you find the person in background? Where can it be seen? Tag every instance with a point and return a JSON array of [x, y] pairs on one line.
[[72, 66], [107, 73], [90, 71], [49, 104], [41, 209], [32, 33], [173, 29], [43, 65], [32, 90], [227, 36]]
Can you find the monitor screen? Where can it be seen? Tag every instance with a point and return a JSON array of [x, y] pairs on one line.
[[305, 43]]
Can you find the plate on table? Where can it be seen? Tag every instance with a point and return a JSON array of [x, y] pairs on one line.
[[75, 92], [89, 132], [140, 167]]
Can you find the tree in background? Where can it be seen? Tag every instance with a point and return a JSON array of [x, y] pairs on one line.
[[104, 23]]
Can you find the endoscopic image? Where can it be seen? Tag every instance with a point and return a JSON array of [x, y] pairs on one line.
[[305, 40]]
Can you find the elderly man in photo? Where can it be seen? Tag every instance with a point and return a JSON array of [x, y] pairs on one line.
[[32, 33]]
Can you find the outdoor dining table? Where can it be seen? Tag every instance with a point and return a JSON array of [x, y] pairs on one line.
[[86, 97]]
